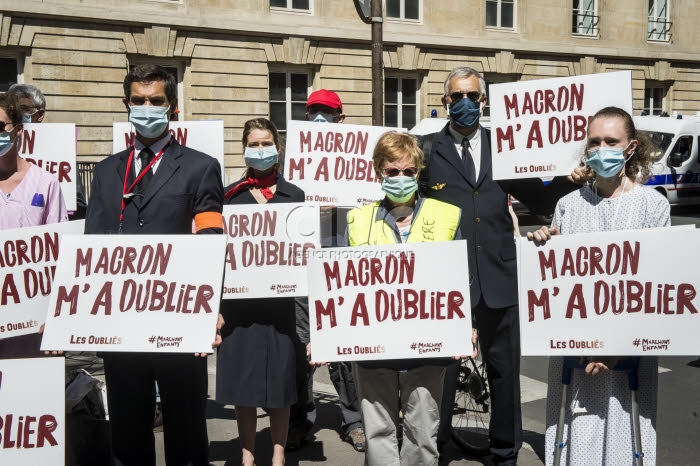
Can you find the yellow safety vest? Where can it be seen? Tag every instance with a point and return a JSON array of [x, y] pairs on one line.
[[434, 221]]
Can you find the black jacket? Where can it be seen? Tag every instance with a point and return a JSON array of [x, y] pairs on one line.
[[187, 182], [486, 223]]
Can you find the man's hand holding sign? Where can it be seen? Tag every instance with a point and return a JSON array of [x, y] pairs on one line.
[[135, 293]]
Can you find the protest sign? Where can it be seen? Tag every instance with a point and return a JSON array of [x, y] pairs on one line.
[[538, 128], [268, 248], [390, 302], [32, 411], [611, 293], [51, 147], [332, 162], [28, 259], [204, 136], [136, 293]]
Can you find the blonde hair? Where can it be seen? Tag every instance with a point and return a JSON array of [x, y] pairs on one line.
[[392, 146]]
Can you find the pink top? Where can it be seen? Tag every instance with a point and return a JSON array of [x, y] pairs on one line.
[[37, 200]]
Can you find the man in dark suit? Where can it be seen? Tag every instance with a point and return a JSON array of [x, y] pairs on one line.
[[460, 173], [168, 188]]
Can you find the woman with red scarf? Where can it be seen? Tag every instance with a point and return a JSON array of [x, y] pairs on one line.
[[255, 364]]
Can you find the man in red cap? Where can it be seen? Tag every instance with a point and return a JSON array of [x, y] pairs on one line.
[[324, 106]]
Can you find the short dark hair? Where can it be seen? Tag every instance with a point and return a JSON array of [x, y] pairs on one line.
[[9, 102], [149, 73]]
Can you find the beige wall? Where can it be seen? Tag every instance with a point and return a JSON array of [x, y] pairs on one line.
[[78, 53]]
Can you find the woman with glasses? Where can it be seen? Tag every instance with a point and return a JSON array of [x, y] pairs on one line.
[[255, 365], [413, 386], [29, 196]]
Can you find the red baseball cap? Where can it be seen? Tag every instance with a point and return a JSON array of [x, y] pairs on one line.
[[325, 97]]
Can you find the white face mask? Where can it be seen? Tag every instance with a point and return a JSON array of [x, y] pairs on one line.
[[321, 117]]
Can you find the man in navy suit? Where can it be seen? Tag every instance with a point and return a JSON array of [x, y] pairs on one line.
[[168, 188], [459, 173]]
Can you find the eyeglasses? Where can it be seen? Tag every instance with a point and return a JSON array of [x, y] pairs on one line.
[[3, 125], [26, 109], [392, 172], [474, 96]]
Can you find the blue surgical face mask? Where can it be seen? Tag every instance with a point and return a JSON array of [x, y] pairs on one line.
[[27, 117], [6, 142], [464, 113], [608, 161], [323, 118], [149, 120], [399, 188], [261, 158]]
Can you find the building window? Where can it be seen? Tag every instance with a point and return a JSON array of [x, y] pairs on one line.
[[176, 70], [659, 26], [288, 93], [500, 13], [495, 78], [400, 102], [403, 9], [8, 73], [303, 5], [654, 96], [585, 18]]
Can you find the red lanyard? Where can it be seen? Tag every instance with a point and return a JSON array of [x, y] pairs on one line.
[[127, 191]]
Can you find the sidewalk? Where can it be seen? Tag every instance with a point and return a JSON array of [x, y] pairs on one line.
[[325, 448]]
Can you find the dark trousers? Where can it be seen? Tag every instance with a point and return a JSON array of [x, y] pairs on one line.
[[182, 382], [499, 338], [303, 412]]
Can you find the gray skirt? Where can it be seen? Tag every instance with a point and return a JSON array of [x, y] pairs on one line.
[[255, 367]]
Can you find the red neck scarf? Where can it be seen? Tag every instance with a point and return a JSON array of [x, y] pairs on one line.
[[263, 184]]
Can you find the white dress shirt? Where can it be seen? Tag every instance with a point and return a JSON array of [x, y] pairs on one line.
[[474, 146]]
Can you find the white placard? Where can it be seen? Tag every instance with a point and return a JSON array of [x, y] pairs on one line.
[[268, 248], [332, 162], [51, 146], [32, 410], [152, 293], [390, 302], [620, 293], [28, 259], [204, 136], [538, 128]]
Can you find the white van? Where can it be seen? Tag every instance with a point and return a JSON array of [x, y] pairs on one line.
[[676, 169]]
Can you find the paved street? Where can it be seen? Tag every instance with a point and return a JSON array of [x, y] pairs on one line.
[[678, 422]]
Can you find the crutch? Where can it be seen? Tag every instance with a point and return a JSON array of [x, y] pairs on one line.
[[631, 366]]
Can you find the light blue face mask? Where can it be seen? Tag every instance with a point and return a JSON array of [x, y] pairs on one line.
[[261, 158], [608, 161], [399, 188], [27, 117], [149, 120], [5, 143], [323, 118]]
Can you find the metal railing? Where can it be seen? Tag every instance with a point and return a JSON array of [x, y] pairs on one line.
[[585, 23], [659, 29], [85, 172]]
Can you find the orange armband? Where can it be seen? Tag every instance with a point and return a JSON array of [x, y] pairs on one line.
[[208, 220]]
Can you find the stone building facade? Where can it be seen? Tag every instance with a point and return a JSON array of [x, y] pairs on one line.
[[237, 59]]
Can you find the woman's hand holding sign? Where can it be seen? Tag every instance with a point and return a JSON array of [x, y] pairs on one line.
[[308, 355], [542, 235]]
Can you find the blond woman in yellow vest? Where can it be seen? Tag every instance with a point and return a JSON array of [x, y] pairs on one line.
[[413, 386]]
